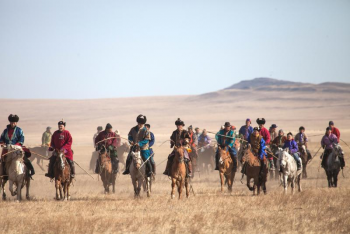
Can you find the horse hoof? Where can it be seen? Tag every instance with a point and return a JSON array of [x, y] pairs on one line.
[[28, 198]]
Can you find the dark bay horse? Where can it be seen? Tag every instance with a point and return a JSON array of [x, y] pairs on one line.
[[333, 165]]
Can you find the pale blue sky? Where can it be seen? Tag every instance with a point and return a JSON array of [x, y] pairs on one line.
[[96, 49]]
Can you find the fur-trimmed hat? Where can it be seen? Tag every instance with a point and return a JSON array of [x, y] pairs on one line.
[[62, 123], [179, 122], [13, 118], [260, 121], [141, 119]]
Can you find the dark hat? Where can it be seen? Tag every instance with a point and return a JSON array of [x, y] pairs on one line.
[[179, 122], [227, 124], [141, 119], [248, 120], [289, 133], [62, 123], [331, 123], [108, 126], [260, 121], [328, 128], [301, 128], [99, 128], [273, 126], [256, 129], [148, 125], [190, 127], [13, 118]]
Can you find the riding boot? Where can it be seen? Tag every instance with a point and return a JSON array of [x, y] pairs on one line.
[[114, 161], [29, 166], [189, 168], [127, 165], [97, 168], [149, 169], [298, 165], [72, 168], [342, 162], [272, 164], [168, 165], [153, 167], [217, 161], [50, 173]]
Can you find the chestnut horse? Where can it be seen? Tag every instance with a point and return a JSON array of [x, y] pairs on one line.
[[107, 176], [226, 169], [252, 171], [178, 173], [62, 176]]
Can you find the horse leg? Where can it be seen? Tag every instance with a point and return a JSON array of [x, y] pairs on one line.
[[68, 190], [179, 188], [222, 181], [27, 188], [57, 189], [285, 183], [19, 190], [187, 188], [299, 183], [248, 183], [134, 183], [11, 188], [113, 183], [292, 184], [60, 189], [173, 183], [3, 189]]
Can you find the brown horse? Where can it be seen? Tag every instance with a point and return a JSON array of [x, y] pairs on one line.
[[226, 169], [206, 158], [62, 176], [107, 176], [305, 158], [252, 171], [178, 173]]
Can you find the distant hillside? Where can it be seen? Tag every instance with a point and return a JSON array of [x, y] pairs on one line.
[[261, 82]]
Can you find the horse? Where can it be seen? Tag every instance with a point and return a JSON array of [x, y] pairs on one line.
[[252, 171], [289, 174], [62, 176], [42, 150], [107, 176], [333, 165], [305, 158], [194, 160], [226, 169], [178, 173], [17, 173], [206, 158], [138, 173]]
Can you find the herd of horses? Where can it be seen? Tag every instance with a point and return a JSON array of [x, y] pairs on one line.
[[285, 170]]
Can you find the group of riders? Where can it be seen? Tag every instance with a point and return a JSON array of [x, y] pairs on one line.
[[262, 141]]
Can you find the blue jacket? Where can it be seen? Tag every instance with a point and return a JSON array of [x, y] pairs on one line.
[[151, 143], [291, 145], [229, 141], [242, 131], [17, 136]]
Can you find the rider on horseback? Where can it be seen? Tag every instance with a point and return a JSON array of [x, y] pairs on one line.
[[151, 143], [99, 129], [293, 149], [267, 138], [179, 137], [279, 141], [13, 135], [302, 140], [246, 130], [327, 143], [139, 135], [204, 140], [258, 146], [193, 142], [61, 140], [107, 141], [226, 138]]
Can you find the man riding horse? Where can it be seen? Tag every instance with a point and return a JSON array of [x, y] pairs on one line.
[[99, 129], [139, 135], [302, 141], [273, 132], [14, 135], [292, 146], [335, 130], [246, 130], [151, 143], [193, 142], [107, 141], [204, 140], [258, 147], [179, 137], [226, 138], [278, 142], [61, 140], [267, 138], [327, 142]]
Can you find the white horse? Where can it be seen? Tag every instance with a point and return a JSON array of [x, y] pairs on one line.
[[138, 173], [16, 171], [290, 175]]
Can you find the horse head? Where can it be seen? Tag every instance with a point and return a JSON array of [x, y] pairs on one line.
[[15, 152], [60, 158], [136, 156], [283, 156], [179, 153], [337, 149]]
